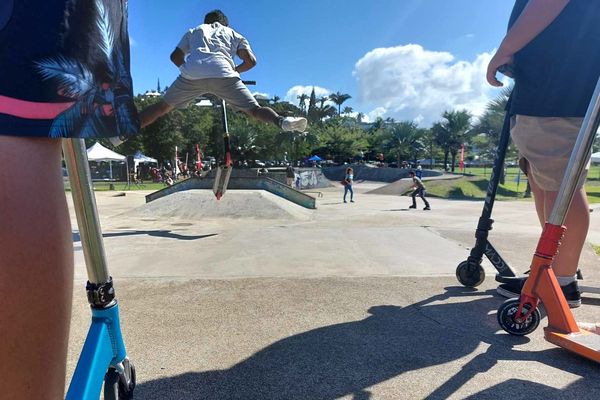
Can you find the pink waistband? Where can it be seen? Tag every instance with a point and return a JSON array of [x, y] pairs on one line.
[[30, 109]]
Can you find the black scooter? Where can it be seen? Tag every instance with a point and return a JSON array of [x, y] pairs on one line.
[[470, 273]]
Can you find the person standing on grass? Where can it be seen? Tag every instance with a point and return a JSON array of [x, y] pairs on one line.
[[418, 190], [348, 180], [552, 50], [205, 57]]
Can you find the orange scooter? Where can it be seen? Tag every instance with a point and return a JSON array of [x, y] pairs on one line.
[[521, 316]]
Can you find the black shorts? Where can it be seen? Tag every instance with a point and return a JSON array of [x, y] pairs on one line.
[[64, 69]]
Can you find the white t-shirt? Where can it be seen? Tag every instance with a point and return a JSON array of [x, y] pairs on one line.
[[210, 50]]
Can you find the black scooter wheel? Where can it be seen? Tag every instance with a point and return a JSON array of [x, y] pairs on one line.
[[518, 327], [470, 274], [120, 386]]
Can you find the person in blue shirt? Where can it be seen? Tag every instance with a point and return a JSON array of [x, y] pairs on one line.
[[552, 50]]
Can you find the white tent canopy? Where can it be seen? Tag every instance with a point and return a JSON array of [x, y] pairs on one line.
[[99, 153], [596, 157], [141, 158]]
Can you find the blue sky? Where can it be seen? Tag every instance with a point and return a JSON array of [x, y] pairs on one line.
[[407, 59]]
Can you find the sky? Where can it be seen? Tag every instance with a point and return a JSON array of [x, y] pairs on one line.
[[405, 59]]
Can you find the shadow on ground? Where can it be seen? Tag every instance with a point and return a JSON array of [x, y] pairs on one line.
[[347, 359], [155, 233]]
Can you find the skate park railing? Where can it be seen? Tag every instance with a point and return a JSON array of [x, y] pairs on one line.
[[240, 183]]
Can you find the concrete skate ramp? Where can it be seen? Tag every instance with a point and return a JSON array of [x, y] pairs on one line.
[[403, 186], [239, 183], [199, 204]]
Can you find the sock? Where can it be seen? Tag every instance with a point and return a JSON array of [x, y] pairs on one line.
[[565, 280]]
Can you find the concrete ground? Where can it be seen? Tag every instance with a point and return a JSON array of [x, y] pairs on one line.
[[350, 301]]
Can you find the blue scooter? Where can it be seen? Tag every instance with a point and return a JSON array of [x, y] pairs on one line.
[[103, 360]]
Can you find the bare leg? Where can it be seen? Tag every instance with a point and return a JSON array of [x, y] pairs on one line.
[[264, 114], [577, 223], [151, 113], [36, 269]]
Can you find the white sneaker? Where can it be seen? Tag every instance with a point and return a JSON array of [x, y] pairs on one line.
[[297, 124]]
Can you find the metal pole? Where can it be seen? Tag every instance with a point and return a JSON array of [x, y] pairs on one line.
[[577, 162], [85, 208]]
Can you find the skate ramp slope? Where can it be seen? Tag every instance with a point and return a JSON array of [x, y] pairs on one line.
[[199, 204], [403, 186], [240, 183]]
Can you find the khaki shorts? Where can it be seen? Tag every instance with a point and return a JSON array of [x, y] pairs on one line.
[[545, 143], [232, 90]]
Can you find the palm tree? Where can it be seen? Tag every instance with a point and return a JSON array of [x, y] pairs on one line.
[[359, 117], [405, 140], [339, 99], [302, 102], [348, 110], [451, 133]]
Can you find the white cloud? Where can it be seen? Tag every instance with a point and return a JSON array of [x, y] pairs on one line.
[[411, 83], [132, 42], [374, 114], [295, 91], [261, 95]]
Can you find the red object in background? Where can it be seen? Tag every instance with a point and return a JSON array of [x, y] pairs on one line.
[[199, 162], [462, 157]]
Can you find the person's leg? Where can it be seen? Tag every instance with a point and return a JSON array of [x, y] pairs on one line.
[[345, 192], [351, 193], [264, 114], [151, 113], [414, 198], [236, 94], [577, 223], [422, 195], [36, 269]]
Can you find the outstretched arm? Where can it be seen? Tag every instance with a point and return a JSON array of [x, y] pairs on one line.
[[536, 17], [248, 60], [178, 57]]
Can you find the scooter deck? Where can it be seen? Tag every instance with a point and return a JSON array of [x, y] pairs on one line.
[[221, 181], [584, 343]]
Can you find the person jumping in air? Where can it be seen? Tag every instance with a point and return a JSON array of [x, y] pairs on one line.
[[418, 190], [205, 57]]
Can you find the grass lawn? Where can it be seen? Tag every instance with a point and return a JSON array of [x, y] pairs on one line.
[[474, 187], [120, 186]]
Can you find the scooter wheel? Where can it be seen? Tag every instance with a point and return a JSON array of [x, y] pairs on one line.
[[120, 386], [506, 318], [470, 274]]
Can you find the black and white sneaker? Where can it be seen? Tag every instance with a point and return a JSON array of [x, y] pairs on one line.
[[413, 206], [514, 286]]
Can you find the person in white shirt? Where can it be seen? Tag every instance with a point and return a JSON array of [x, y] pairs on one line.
[[205, 57]]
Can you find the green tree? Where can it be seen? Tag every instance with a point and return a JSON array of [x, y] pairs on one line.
[[302, 102], [339, 99], [451, 133]]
